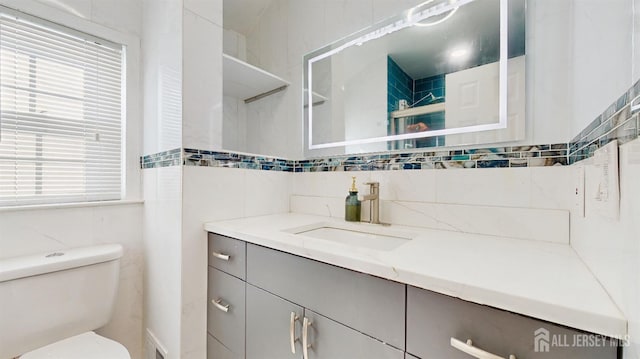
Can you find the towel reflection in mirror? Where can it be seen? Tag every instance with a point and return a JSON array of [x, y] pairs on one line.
[[417, 127]]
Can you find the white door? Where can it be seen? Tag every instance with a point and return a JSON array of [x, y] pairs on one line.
[[472, 98]]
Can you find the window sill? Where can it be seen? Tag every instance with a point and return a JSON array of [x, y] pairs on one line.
[[32, 207]]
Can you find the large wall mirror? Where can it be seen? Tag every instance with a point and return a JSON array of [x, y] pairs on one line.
[[444, 73]]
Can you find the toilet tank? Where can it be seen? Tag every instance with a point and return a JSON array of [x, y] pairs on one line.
[[51, 296]]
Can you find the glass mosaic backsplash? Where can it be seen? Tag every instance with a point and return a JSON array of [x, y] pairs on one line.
[[490, 157], [617, 122], [193, 157], [162, 159]]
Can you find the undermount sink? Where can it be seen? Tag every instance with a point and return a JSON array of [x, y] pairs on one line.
[[356, 234]]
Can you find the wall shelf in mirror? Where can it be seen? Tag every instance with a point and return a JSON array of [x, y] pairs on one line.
[[248, 82], [316, 98], [419, 110]]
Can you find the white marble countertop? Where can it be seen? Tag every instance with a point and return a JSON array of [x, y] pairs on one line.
[[543, 280]]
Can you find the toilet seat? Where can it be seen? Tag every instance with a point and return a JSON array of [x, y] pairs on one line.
[[84, 346]]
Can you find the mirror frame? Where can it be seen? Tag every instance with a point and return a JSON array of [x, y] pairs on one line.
[[406, 19]]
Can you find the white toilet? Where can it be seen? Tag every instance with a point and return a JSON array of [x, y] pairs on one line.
[[50, 303]]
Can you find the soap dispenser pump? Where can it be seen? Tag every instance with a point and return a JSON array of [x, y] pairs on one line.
[[352, 205]]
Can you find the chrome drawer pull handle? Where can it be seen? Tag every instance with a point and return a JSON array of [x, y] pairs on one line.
[[475, 352], [292, 332], [218, 304], [224, 257], [306, 323]]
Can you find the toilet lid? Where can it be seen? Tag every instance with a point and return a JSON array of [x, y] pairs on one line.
[[83, 346]]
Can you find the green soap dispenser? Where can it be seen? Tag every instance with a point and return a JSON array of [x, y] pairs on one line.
[[352, 204]]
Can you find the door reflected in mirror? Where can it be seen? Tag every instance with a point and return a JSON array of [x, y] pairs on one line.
[[436, 76]]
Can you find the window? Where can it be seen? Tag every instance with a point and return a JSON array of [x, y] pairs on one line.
[[61, 114]]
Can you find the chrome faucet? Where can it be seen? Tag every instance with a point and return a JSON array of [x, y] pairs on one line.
[[374, 202]]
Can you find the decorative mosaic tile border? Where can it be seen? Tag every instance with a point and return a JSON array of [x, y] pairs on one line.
[[161, 159], [617, 122], [193, 157], [489, 157]]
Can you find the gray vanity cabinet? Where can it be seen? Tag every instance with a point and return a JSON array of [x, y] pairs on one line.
[[371, 305], [331, 340], [271, 332], [260, 300], [270, 326], [433, 319], [215, 349]]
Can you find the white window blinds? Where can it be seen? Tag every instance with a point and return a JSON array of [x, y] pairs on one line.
[[60, 114]]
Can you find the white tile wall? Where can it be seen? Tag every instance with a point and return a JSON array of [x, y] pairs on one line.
[[162, 249], [163, 81], [383, 9], [79, 8], [636, 44], [210, 10], [417, 186], [307, 30], [328, 184], [266, 192], [234, 125], [268, 44], [527, 203], [202, 83], [611, 248], [162, 75], [548, 72], [317, 205], [346, 17], [234, 44], [532, 187], [267, 124], [218, 193], [610, 32], [521, 223], [209, 194], [552, 187], [118, 14], [294, 107], [496, 187]]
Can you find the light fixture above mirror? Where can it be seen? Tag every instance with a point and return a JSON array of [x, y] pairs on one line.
[[437, 19]]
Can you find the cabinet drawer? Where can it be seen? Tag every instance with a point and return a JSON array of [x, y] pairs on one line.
[[226, 325], [432, 319], [228, 255], [331, 340], [215, 350], [368, 304]]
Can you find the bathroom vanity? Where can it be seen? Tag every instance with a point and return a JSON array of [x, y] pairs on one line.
[[275, 292]]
